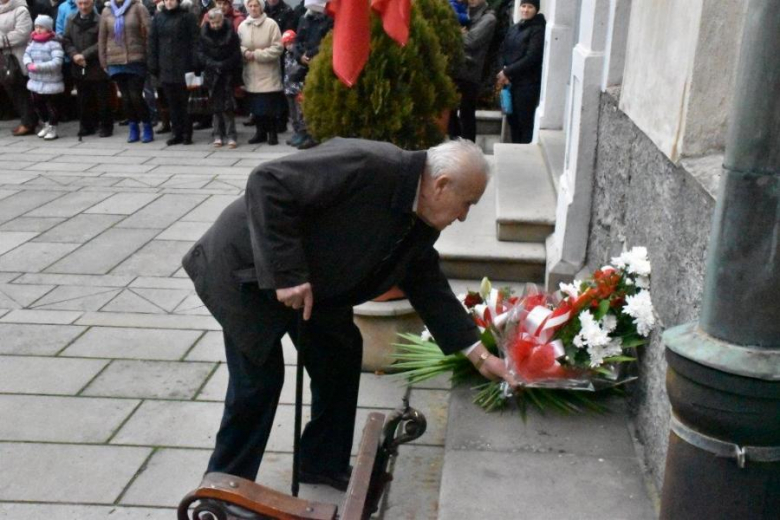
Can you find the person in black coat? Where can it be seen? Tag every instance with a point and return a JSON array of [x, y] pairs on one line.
[[319, 232], [521, 67], [172, 42], [219, 56], [80, 42]]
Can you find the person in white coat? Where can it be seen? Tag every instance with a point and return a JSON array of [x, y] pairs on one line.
[[261, 48], [15, 28]]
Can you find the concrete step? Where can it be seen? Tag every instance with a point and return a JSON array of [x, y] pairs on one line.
[[487, 141], [553, 144], [525, 197], [489, 122], [470, 250]]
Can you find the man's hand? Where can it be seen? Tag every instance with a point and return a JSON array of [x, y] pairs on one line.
[[305, 60], [79, 60], [297, 297], [501, 79], [490, 366]]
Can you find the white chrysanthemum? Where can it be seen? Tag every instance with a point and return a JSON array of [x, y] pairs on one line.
[[609, 322], [634, 261], [599, 352], [643, 282], [425, 335], [640, 307], [570, 289], [591, 334]]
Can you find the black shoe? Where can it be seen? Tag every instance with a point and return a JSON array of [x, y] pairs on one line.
[[187, 139], [338, 481], [106, 131], [83, 131], [250, 121], [177, 139], [259, 137], [273, 138]]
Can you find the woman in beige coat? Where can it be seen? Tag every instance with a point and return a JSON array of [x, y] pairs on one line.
[[261, 48], [15, 28]]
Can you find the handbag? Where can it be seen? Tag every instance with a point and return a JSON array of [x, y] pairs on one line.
[[10, 71], [198, 101], [505, 96]]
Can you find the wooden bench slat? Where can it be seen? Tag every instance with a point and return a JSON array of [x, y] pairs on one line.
[[357, 492]]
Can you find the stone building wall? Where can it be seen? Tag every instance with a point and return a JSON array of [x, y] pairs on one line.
[[641, 198]]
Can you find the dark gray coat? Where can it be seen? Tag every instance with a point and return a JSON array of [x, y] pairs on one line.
[[328, 216], [476, 43], [81, 37], [172, 43]]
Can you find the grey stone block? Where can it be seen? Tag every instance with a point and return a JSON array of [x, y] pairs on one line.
[[109, 342], [156, 282], [75, 279], [42, 340], [79, 229], [76, 298], [120, 168], [19, 296], [54, 166], [36, 224], [62, 419], [186, 231], [414, 491], [541, 486], [70, 204], [150, 379], [210, 209], [380, 391], [157, 258], [210, 347], [123, 203], [433, 404], [11, 239], [148, 321], [44, 375], [11, 511], [185, 183], [584, 434], [172, 424], [162, 212], [90, 474], [167, 477], [34, 256], [41, 316], [104, 252]]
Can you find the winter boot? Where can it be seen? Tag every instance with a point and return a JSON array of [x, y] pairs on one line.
[[273, 137], [148, 133], [135, 134], [261, 136]]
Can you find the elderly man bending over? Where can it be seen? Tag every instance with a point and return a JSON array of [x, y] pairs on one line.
[[321, 231]]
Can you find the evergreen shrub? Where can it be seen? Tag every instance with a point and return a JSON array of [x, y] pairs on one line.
[[401, 91]]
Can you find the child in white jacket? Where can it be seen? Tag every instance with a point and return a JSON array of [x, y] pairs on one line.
[[43, 59]]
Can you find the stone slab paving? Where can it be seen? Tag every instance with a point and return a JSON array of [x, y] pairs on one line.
[[111, 370]]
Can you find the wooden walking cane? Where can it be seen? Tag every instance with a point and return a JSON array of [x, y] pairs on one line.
[[298, 407]]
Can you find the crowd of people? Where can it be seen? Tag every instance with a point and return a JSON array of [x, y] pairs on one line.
[[191, 64], [180, 64]]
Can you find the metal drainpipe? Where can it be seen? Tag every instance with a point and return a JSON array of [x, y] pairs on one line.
[[724, 371]]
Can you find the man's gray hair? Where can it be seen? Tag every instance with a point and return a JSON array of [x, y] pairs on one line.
[[216, 13], [456, 157]]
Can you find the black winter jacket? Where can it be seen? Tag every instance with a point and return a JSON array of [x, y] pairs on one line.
[[282, 14], [312, 28], [81, 37], [219, 53], [172, 42], [522, 51]]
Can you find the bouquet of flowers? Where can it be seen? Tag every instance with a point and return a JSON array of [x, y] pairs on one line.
[[555, 345]]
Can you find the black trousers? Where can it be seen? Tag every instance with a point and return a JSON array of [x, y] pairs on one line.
[[46, 107], [463, 122], [177, 95], [93, 94], [525, 99], [332, 354], [22, 102], [132, 88]]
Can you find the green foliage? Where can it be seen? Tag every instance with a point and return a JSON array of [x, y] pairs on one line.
[[400, 93]]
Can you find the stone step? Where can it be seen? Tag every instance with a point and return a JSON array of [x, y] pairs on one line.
[[470, 250], [525, 197], [489, 122]]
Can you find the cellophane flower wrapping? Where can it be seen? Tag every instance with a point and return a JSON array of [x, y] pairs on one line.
[[581, 337]]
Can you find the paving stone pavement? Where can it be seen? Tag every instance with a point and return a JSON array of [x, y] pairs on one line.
[[111, 370]]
